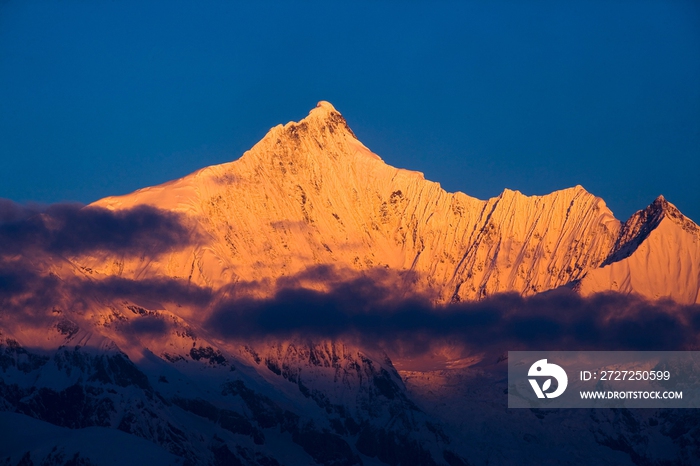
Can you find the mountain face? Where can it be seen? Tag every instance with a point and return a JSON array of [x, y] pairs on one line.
[[310, 193], [94, 365]]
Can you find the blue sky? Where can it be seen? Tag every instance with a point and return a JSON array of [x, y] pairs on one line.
[[102, 98]]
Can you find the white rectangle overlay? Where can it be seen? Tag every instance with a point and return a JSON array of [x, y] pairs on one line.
[[603, 379]]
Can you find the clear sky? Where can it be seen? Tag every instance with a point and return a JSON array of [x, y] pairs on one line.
[[104, 97]]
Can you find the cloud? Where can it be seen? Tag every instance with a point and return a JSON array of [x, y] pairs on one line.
[[149, 325], [371, 313], [32, 299], [376, 309], [71, 229], [160, 289]]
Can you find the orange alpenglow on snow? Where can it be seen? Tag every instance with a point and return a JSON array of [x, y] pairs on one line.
[[310, 193]]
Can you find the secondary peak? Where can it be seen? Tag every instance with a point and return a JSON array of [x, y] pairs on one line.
[[660, 206]]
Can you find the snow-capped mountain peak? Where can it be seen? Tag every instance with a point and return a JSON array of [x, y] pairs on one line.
[[310, 193], [656, 255], [635, 230]]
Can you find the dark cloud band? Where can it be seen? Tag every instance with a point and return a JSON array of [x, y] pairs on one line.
[[372, 313], [73, 229]]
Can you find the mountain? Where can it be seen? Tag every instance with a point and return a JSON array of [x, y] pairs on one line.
[[310, 193], [108, 348], [656, 255]]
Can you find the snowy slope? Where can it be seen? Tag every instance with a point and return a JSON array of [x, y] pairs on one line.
[[28, 439], [298, 403]]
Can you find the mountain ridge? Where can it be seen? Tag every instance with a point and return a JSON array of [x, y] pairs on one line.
[[311, 193]]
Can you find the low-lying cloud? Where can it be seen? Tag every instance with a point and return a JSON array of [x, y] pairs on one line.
[[373, 314], [73, 229], [368, 311]]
